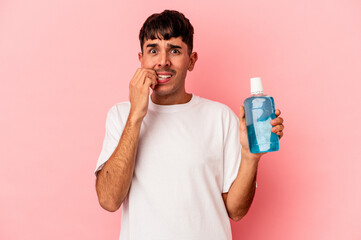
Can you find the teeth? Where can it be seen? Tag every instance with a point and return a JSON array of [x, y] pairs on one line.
[[164, 76]]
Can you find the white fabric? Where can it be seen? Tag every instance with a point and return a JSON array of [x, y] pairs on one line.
[[188, 155]]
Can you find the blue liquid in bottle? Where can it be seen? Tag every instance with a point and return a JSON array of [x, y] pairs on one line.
[[259, 111]]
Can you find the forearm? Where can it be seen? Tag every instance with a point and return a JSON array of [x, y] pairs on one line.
[[241, 193], [114, 179]]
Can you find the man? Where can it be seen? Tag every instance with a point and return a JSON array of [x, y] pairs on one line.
[[173, 159]]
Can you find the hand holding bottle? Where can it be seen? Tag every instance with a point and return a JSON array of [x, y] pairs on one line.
[[260, 116], [277, 128], [277, 124]]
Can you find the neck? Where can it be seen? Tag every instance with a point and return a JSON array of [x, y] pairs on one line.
[[171, 99]]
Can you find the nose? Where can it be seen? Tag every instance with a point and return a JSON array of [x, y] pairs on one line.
[[163, 60]]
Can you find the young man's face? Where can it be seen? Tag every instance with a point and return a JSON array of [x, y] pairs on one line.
[[170, 59]]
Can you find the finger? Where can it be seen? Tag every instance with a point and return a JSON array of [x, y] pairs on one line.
[[278, 128], [151, 71], [145, 73], [153, 79], [241, 112], [142, 74], [150, 82], [280, 134], [139, 81], [152, 85], [242, 118], [135, 76], [277, 121], [277, 112]]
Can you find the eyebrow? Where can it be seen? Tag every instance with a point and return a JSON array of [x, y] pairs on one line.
[[173, 46], [152, 45], [169, 45]]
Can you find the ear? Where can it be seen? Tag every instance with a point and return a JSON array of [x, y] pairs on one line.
[[140, 56], [192, 60]]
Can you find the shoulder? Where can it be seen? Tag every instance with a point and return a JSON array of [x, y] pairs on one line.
[[121, 107], [216, 107], [119, 110]]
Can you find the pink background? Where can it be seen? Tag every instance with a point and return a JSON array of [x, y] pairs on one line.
[[64, 63]]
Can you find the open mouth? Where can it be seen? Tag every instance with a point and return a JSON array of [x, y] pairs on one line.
[[164, 77]]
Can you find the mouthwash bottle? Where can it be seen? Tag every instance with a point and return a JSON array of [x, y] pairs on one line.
[[259, 111]]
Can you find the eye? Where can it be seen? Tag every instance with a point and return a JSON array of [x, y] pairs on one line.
[[152, 51], [176, 51]]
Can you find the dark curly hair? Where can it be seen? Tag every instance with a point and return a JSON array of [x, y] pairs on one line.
[[165, 25]]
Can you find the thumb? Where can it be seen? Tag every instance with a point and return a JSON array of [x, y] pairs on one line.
[[241, 113], [242, 118]]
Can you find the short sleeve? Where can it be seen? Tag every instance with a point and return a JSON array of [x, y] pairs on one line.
[[113, 129], [231, 148]]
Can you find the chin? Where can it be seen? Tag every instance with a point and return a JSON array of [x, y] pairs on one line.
[[163, 91]]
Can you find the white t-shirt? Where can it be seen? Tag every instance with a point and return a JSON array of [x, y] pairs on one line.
[[188, 155]]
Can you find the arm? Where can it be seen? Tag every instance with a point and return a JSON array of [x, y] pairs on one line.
[[114, 179], [239, 198]]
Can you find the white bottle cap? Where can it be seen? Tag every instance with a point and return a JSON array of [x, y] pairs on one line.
[[256, 85]]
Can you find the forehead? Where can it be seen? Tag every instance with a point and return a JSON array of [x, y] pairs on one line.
[[162, 42]]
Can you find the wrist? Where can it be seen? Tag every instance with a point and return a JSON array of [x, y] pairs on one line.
[[135, 118], [251, 157]]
